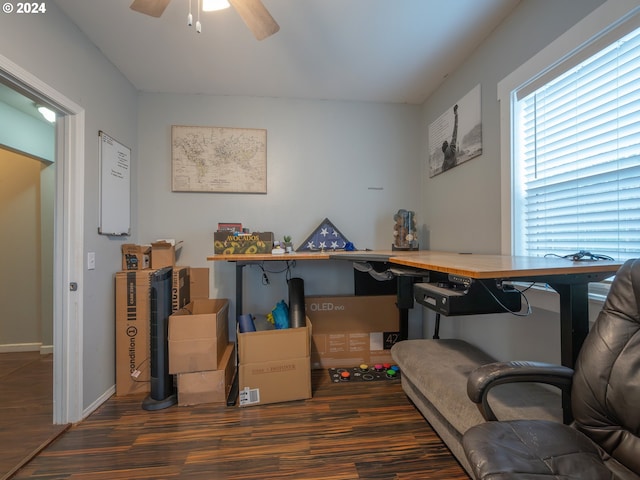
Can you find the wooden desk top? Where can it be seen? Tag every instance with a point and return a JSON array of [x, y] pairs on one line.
[[269, 257], [477, 266], [502, 266]]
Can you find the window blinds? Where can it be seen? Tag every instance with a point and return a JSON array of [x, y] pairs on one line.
[[577, 162]]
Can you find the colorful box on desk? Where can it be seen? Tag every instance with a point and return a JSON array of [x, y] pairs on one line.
[[136, 257], [230, 244], [198, 335], [209, 386], [352, 330], [133, 318], [274, 365]]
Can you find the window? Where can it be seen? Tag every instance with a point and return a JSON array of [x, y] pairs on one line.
[[576, 155]]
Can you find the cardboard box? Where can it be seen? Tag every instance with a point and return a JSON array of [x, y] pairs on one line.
[[352, 330], [274, 382], [275, 365], [211, 386], [164, 253], [270, 345], [229, 243], [198, 336], [133, 299], [133, 317], [199, 278], [180, 288], [136, 257]]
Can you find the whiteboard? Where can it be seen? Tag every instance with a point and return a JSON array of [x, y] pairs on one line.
[[115, 190]]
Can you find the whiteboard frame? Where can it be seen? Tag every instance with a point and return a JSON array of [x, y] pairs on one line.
[[114, 186]]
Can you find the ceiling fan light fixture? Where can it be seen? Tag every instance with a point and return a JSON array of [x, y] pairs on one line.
[[214, 5]]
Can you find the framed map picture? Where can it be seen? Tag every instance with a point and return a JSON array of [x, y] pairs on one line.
[[218, 159]]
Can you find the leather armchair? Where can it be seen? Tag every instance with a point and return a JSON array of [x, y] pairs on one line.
[[602, 441]]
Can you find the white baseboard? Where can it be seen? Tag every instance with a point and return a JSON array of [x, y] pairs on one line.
[[46, 349], [99, 401], [20, 347]]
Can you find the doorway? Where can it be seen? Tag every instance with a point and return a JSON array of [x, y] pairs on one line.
[[67, 239]]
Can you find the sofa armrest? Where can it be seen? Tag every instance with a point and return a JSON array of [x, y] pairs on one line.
[[481, 380]]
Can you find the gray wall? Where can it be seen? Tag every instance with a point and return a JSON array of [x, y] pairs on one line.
[[51, 48], [322, 158], [461, 207]]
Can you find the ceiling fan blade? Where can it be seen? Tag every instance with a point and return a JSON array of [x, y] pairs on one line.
[[257, 17], [150, 7]]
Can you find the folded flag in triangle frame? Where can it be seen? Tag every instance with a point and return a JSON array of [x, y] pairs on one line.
[[325, 237]]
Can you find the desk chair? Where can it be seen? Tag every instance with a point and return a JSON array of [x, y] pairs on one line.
[[603, 441]]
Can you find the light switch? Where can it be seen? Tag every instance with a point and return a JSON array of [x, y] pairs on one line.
[[91, 261]]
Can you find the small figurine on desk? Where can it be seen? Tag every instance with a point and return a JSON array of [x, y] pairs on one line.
[[277, 249], [404, 231]]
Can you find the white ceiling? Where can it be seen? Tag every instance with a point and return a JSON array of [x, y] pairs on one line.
[[359, 50]]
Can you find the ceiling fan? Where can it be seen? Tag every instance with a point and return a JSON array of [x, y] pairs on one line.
[[253, 13]]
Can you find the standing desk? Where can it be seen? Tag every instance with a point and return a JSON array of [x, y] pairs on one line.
[[568, 278]]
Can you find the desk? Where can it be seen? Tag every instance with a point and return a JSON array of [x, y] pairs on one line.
[[570, 279]]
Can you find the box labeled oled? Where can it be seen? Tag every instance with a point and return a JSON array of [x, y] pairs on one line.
[[351, 330]]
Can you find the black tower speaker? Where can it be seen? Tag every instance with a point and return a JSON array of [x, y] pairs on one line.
[[297, 314], [162, 390]]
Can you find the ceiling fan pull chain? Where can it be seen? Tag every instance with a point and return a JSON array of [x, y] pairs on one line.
[[198, 24]]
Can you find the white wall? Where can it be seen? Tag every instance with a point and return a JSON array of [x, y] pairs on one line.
[[49, 47], [461, 207], [322, 157]]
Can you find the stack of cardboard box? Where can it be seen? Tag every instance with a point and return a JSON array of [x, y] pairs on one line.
[[274, 365], [190, 302], [200, 353]]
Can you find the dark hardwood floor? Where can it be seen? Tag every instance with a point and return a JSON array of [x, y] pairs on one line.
[[26, 408], [346, 431]]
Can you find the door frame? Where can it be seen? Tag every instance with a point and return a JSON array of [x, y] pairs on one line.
[[68, 241]]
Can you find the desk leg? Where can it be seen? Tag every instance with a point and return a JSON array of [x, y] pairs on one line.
[[574, 319], [574, 327], [233, 393], [404, 303]]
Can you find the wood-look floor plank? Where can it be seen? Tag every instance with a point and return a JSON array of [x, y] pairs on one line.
[[345, 432], [26, 408]]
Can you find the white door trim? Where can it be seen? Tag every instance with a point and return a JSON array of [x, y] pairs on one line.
[[68, 244]]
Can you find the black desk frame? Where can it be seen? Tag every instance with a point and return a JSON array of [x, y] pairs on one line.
[[572, 290]]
